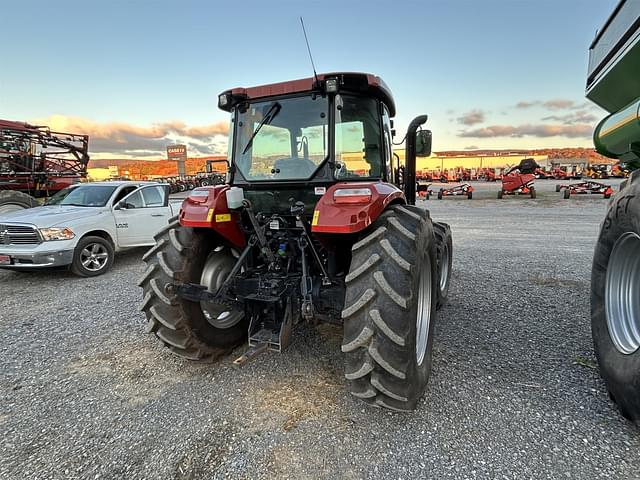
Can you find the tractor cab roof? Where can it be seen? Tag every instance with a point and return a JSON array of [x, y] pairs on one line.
[[363, 83]]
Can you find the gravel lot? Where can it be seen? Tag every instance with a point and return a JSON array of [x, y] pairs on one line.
[[85, 393]]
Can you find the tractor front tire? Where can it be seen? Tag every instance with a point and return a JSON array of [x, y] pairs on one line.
[[390, 308], [615, 300], [12, 200], [444, 246], [500, 194], [440, 195], [558, 187], [567, 194], [532, 192], [469, 195], [187, 328]]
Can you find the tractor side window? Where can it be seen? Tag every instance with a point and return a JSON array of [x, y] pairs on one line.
[[358, 140], [388, 143]]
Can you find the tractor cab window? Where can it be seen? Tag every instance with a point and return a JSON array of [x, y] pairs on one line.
[[285, 139], [358, 148]]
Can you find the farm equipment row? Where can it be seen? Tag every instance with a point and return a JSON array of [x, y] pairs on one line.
[[184, 184]]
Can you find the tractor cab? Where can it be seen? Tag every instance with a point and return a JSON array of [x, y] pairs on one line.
[[313, 132]]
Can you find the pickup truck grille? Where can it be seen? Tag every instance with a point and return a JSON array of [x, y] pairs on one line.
[[18, 235]]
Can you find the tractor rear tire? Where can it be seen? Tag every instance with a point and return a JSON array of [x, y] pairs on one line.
[[532, 192], [615, 302], [444, 247], [390, 308], [566, 194], [181, 254], [558, 188], [11, 201]]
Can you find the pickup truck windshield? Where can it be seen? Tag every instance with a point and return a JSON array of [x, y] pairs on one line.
[[282, 140], [83, 196]]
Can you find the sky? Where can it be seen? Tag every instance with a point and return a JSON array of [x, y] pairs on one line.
[[138, 75]]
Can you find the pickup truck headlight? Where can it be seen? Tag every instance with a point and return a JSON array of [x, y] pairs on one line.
[[57, 233]]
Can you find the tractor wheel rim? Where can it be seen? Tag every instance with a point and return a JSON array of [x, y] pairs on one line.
[[94, 257], [213, 275], [622, 293], [423, 317], [10, 207], [444, 268]]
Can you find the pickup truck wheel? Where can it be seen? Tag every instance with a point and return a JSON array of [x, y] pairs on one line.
[[11, 201], [196, 331], [93, 256], [389, 310]]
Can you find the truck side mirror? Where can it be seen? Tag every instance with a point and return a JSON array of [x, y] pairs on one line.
[[423, 143]]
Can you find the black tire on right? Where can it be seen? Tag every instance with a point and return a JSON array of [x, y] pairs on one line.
[[180, 254], [17, 199], [500, 194], [440, 195], [444, 245], [532, 192], [381, 309], [621, 372], [558, 188], [566, 194]]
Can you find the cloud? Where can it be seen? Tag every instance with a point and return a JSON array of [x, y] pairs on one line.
[[526, 104], [535, 130], [555, 104], [132, 140], [580, 116], [472, 147], [471, 117]]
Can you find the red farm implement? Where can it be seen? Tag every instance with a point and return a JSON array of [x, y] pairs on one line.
[[519, 180], [585, 188], [37, 162], [459, 190]]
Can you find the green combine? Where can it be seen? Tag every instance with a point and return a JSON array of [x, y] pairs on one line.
[[613, 83]]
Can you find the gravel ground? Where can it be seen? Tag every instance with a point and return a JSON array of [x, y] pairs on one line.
[[515, 392]]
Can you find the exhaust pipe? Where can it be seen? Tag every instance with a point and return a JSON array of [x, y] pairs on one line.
[[410, 159]]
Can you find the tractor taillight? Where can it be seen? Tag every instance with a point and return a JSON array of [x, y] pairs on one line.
[[352, 195]]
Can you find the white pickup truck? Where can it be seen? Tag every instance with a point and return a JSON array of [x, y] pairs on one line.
[[84, 225]]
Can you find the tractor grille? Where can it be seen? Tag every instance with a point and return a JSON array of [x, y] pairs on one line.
[[18, 235]]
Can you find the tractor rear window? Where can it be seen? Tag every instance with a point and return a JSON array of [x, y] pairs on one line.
[[358, 147], [286, 139]]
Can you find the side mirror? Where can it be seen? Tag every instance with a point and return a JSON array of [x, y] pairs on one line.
[[423, 143]]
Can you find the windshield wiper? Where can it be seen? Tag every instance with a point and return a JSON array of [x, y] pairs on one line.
[[266, 120]]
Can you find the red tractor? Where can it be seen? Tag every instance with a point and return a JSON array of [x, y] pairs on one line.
[[519, 180], [306, 230], [36, 162]]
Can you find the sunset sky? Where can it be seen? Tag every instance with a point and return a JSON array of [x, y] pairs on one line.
[[136, 76]]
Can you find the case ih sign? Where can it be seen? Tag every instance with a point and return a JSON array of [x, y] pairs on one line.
[[178, 153]]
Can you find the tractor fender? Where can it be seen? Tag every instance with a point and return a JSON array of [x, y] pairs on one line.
[[206, 207], [341, 217]]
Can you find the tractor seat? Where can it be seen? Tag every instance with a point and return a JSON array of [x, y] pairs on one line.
[[294, 168]]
